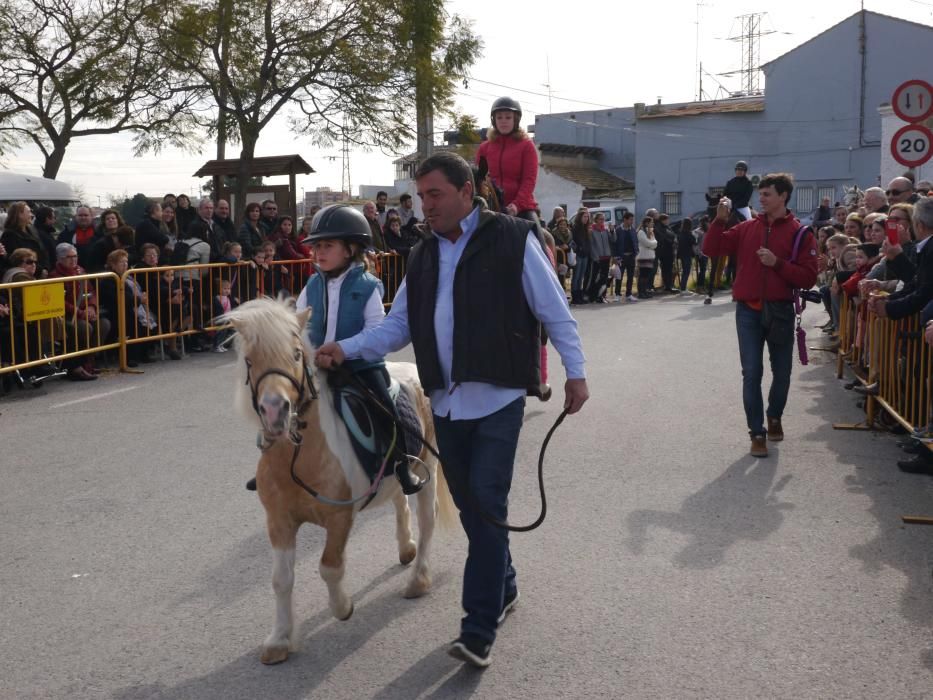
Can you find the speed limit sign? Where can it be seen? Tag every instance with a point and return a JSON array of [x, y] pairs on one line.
[[913, 101], [911, 145]]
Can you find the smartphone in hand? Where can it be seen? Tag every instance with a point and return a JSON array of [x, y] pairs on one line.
[[890, 228]]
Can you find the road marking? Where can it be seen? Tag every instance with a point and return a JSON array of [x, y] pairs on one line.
[[226, 366], [96, 396]]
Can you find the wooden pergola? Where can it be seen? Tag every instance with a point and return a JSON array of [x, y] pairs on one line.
[[268, 166]]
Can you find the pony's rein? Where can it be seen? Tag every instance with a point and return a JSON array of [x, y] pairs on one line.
[[483, 514]]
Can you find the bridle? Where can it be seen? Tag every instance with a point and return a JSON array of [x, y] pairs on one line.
[[307, 393]]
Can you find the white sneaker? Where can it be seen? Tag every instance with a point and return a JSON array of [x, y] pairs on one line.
[[631, 297], [220, 348]]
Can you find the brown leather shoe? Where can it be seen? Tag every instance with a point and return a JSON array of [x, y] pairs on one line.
[[759, 446], [775, 431]]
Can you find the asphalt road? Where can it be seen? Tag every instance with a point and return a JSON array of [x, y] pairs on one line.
[[134, 565]]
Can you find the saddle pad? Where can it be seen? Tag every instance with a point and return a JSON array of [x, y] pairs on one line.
[[408, 415], [361, 417]]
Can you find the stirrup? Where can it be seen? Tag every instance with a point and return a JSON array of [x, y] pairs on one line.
[[406, 477]]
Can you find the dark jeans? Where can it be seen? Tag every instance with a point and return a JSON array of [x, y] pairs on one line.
[[478, 455], [600, 279], [627, 267], [685, 264], [702, 260], [645, 279], [751, 351], [666, 263]]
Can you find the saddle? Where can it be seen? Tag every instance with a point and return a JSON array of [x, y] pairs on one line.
[[370, 429]]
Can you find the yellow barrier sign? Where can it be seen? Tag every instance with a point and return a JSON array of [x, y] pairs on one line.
[[44, 301]]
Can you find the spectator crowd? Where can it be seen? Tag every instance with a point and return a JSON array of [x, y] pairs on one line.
[[172, 233], [870, 255]]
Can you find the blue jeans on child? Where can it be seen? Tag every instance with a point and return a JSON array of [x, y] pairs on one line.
[[478, 455]]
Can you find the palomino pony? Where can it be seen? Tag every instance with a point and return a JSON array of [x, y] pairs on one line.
[[301, 434]]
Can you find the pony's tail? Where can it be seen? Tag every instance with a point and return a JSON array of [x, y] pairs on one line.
[[446, 510]]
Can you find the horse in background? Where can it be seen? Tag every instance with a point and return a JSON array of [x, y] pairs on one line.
[[302, 438], [852, 197], [486, 186]]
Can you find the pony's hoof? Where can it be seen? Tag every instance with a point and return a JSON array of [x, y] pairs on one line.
[[406, 555], [344, 618], [418, 586], [274, 655]]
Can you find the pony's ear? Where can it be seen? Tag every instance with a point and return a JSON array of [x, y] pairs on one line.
[[483, 170], [303, 317]]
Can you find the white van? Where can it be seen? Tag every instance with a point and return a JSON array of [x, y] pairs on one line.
[[38, 191], [613, 214]]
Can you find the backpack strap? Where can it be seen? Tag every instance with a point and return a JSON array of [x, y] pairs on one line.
[[798, 239]]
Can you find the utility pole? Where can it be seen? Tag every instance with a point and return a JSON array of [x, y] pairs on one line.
[[697, 62], [749, 37], [345, 155], [550, 104]]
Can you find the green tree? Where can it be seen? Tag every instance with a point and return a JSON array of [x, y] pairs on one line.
[[315, 62], [438, 50], [334, 69], [87, 68], [132, 209], [467, 135]]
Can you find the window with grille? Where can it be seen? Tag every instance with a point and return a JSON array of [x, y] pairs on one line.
[[805, 199], [670, 203], [827, 193]]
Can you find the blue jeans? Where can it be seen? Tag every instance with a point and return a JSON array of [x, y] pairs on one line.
[[578, 281], [751, 350], [478, 455]]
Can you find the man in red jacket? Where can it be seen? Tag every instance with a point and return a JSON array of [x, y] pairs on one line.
[[763, 292]]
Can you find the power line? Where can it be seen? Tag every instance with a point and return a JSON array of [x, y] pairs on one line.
[[541, 94]]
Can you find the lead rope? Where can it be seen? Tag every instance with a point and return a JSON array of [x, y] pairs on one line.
[[483, 514]]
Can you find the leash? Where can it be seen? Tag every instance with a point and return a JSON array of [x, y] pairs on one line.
[[348, 376]]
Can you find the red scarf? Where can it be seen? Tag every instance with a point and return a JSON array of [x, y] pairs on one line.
[[83, 236]]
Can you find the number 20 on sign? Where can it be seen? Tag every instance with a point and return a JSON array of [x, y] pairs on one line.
[[911, 145]]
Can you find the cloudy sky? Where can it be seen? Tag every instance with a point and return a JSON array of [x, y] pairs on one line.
[[591, 53]]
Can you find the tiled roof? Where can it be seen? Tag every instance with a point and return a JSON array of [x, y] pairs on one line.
[[742, 104], [261, 167], [573, 150], [592, 179]]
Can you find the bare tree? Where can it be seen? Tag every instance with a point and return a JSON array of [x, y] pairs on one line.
[[87, 68], [336, 69]]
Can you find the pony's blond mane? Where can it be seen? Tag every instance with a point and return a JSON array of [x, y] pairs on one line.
[[265, 330]]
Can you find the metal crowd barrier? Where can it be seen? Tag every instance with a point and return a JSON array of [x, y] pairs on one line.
[[390, 268], [892, 353], [152, 306], [39, 330]]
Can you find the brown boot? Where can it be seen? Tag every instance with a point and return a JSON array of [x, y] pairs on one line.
[[775, 431], [759, 446]]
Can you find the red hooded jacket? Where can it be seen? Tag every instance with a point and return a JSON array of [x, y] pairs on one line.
[[754, 279], [513, 164]]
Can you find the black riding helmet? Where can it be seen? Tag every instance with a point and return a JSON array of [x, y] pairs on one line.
[[340, 222], [741, 165], [506, 104]]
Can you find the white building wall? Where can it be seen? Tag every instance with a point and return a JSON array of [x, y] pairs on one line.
[[554, 191]]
